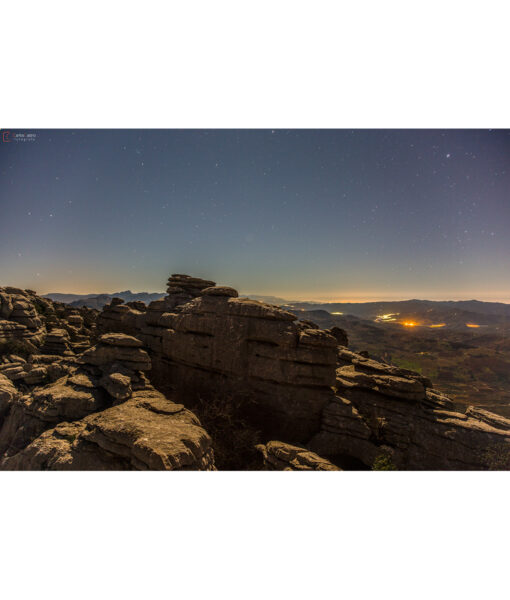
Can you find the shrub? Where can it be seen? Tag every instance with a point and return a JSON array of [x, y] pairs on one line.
[[234, 440], [383, 462], [497, 457]]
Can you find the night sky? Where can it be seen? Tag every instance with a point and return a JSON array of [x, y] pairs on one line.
[[302, 214]]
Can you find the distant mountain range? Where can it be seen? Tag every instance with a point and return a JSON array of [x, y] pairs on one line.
[[100, 300], [371, 310], [453, 312]]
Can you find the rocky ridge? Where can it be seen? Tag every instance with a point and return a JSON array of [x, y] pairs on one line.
[[116, 390]]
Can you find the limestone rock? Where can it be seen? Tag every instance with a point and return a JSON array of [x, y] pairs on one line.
[[57, 342], [380, 407], [8, 393], [103, 353], [205, 340], [279, 456], [220, 291], [137, 305], [17, 308], [36, 375], [146, 432], [120, 340], [340, 335], [117, 385]]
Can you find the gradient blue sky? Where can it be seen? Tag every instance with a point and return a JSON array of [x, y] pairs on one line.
[[303, 214]]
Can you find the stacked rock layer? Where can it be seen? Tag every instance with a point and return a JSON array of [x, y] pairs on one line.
[[101, 414]]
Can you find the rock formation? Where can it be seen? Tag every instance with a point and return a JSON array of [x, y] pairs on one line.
[[101, 414], [379, 410], [115, 390], [279, 456], [19, 319], [204, 340], [301, 384]]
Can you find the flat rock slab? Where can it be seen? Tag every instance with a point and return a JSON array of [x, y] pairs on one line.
[[279, 456], [148, 432], [121, 340]]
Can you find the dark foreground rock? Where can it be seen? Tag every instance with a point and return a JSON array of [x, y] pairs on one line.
[[381, 410]]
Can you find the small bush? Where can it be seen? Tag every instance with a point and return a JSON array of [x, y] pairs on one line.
[[497, 457], [234, 440], [383, 462]]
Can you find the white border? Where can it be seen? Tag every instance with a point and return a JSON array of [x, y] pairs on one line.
[[254, 64]]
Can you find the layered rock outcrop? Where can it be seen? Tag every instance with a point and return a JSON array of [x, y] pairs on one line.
[[101, 414], [382, 410], [82, 390], [301, 384], [204, 340], [147, 432], [279, 456], [27, 318], [19, 319]]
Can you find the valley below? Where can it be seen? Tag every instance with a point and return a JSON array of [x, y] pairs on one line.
[[466, 353]]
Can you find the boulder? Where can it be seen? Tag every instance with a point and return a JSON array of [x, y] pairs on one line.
[[121, 340], [117, 385], [279, 456], [102, 354], [148, 432]]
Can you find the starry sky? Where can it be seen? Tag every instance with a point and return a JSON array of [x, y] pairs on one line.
[[302, 214]]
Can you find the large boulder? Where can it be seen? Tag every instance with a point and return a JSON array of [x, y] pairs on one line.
[[279, 456], [148, 432]]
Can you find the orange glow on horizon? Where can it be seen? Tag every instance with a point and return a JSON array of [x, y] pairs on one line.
[[409, 324], [472, 325], [437, 325]]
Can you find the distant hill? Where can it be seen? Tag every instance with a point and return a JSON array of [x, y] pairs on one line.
[[371, 310], [269, 299], [100, 300], [471, 365]]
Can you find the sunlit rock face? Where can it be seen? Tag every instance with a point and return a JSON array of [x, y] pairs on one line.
[[102, 413], [278, 456]]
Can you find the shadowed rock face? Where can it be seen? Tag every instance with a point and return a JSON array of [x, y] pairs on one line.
[[383, 410], [215, 342]]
